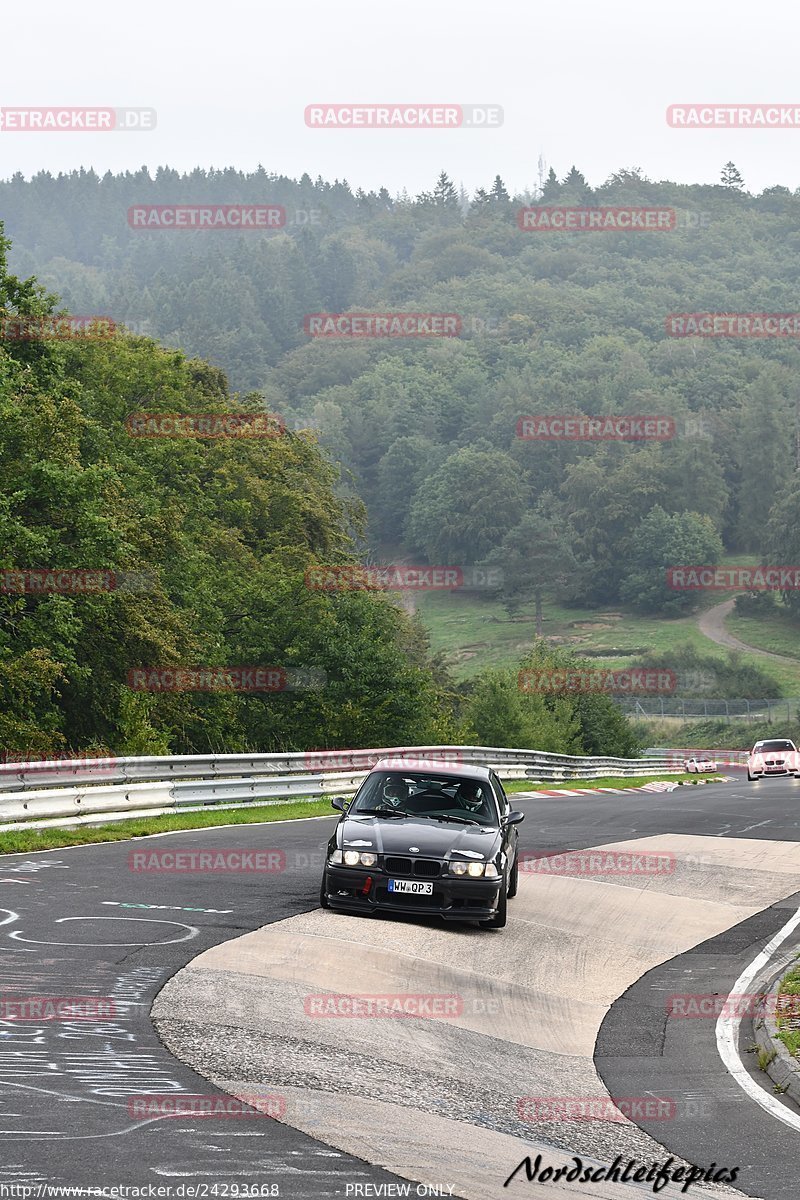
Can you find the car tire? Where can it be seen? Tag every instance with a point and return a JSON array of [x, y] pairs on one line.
[[750, 778], [513, 882], [498, 921], [323, 898]]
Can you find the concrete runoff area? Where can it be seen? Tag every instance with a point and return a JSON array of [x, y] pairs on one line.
[[458, 1101]]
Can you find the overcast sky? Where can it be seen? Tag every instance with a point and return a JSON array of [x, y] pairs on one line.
[[583, 82]]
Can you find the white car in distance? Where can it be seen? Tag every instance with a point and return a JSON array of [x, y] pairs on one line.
[[700, 766]]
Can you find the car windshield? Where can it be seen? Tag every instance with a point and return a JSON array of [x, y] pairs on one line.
[[777, 744], [432, 797]]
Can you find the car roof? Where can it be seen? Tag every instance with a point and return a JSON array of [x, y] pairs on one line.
[[432, 767]]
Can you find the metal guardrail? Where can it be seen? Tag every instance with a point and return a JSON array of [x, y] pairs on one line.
[[731, 758], [84, 790], [73, 772]]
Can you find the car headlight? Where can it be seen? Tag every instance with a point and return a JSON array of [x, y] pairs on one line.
[[476, 869], [336, 858], [353, 858]]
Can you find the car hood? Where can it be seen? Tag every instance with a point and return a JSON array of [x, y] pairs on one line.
[[435, 839]]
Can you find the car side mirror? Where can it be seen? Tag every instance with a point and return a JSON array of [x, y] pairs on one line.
[[339, 803], [514, 818]]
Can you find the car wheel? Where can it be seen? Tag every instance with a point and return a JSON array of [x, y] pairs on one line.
[[323, 899], [513, 882], [750, 778], [498, 921]]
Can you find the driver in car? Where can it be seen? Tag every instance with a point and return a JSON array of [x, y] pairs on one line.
[[470, 796], [395, 792]]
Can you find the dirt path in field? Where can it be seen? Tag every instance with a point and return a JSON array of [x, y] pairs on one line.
[[712, 625]]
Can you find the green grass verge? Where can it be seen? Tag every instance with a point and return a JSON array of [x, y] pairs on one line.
[[776, 631], [25, 840], [521, 785], [476, 633], [790, 986]]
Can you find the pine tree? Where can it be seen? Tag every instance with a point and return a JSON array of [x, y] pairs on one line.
[[445, 194], [499, 193], [731, 178], [551, 187]]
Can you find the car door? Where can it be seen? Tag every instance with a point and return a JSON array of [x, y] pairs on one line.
[[510, 833]]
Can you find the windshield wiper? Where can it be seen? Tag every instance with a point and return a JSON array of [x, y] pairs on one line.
[[379, 812], [449, 817]]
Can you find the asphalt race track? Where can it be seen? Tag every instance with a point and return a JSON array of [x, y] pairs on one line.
[[570, 995]]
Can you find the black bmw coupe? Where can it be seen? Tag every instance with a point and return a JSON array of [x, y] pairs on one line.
[[439, 842]]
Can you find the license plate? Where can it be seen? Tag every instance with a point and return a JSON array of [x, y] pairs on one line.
[[411, 887]]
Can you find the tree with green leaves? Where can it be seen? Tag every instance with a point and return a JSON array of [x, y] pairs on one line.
[[466, 507], [533, 558], [499, 193], [500, 712], [445, 194], [731, 178], [663, 541]]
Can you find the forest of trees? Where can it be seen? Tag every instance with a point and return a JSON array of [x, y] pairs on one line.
[[221, 533], [425, 428]]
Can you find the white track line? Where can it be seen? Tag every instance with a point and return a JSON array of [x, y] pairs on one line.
[[728, 1029]]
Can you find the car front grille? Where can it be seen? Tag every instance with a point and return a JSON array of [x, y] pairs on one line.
[[423, 868]]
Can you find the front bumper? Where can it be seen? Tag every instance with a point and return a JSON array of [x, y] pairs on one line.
[[454, 899]]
